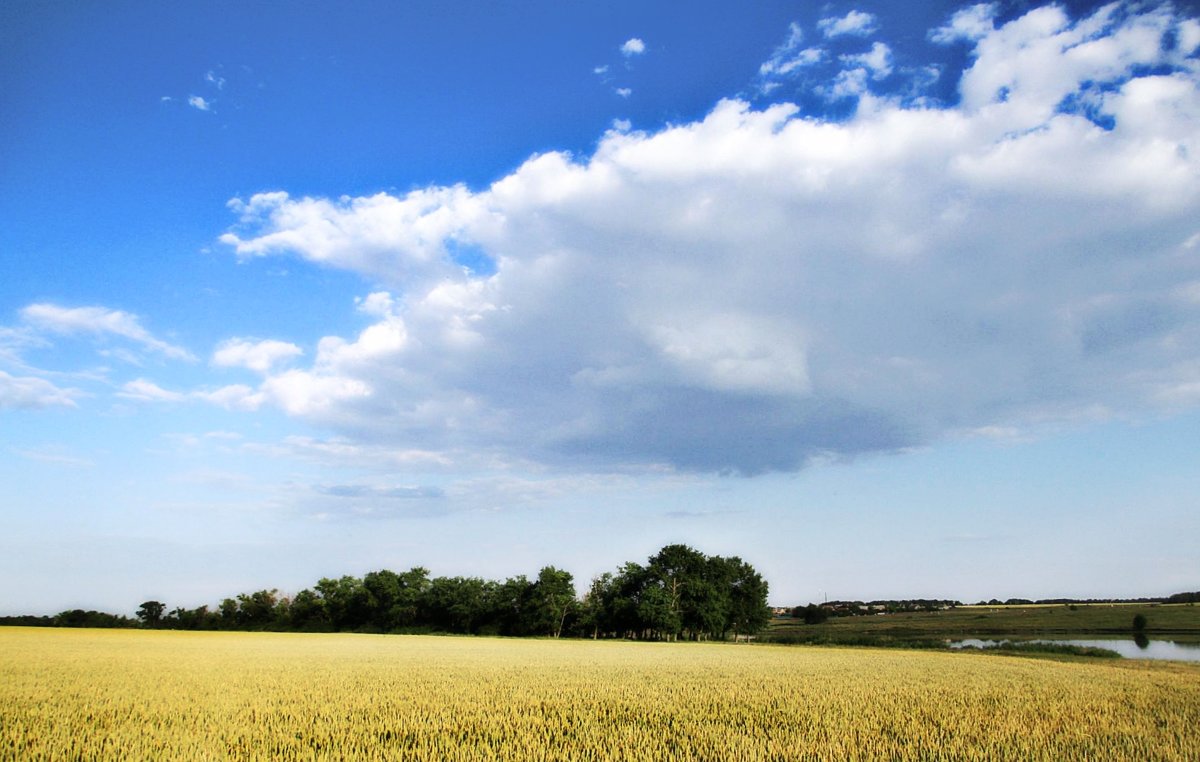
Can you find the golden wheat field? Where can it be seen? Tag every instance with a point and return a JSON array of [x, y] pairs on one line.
[[109, 694]]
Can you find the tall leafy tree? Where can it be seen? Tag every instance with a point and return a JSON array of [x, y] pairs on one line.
[[457, 604], [257, 610], [228, 614], [407, 606], [595, 615], [748, 611], [511, 607], [307, 612], [657, 613], [347, 602], [151, 613], [624, 599], [682, 573], [554, 600], [383, 592]]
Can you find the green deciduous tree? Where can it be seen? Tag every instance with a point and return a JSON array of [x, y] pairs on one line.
[[307, 612], [150, 613], [595, 614], [347, 602], [553, 600]]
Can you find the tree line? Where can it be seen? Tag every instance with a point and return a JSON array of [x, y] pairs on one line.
[[816, 613], [678, 594]]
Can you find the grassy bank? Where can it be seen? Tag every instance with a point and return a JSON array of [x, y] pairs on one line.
[[1177, 622]]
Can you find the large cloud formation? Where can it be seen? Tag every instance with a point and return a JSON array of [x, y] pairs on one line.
[[759, 288]]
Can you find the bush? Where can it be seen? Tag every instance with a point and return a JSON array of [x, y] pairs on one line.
[[813, 614]]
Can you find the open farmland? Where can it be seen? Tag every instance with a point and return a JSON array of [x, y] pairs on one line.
[[92, 694]]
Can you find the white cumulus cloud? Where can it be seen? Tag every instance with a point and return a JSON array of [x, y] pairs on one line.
[[633, 47], [755, 289], [390, 237]]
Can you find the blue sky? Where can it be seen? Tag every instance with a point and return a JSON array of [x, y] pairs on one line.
[[889, 299]]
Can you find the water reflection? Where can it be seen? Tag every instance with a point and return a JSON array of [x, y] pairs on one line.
[[1140, 647]]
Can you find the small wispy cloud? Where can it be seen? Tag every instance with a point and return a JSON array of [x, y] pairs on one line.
[[878, 60], [52, 455], [258, 356], [32, 393], [13, 341], [970, 24], [213, 83], [783, 54], [142, 390], [632, 47], [854, 23], [684, 514], [974, 538], [370, 491], [849, 83], [340, 452], [788, 58], [98, 321], [789, 55]]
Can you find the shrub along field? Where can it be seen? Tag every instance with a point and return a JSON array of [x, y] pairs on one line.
[[103, 694]]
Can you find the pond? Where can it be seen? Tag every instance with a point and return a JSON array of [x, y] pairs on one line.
[[1140, 648]]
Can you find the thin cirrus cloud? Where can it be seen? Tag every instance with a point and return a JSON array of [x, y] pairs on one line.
[[790, 55], [754, 290], [380, 493], [232, 397], [33, 393], [99, 322]]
